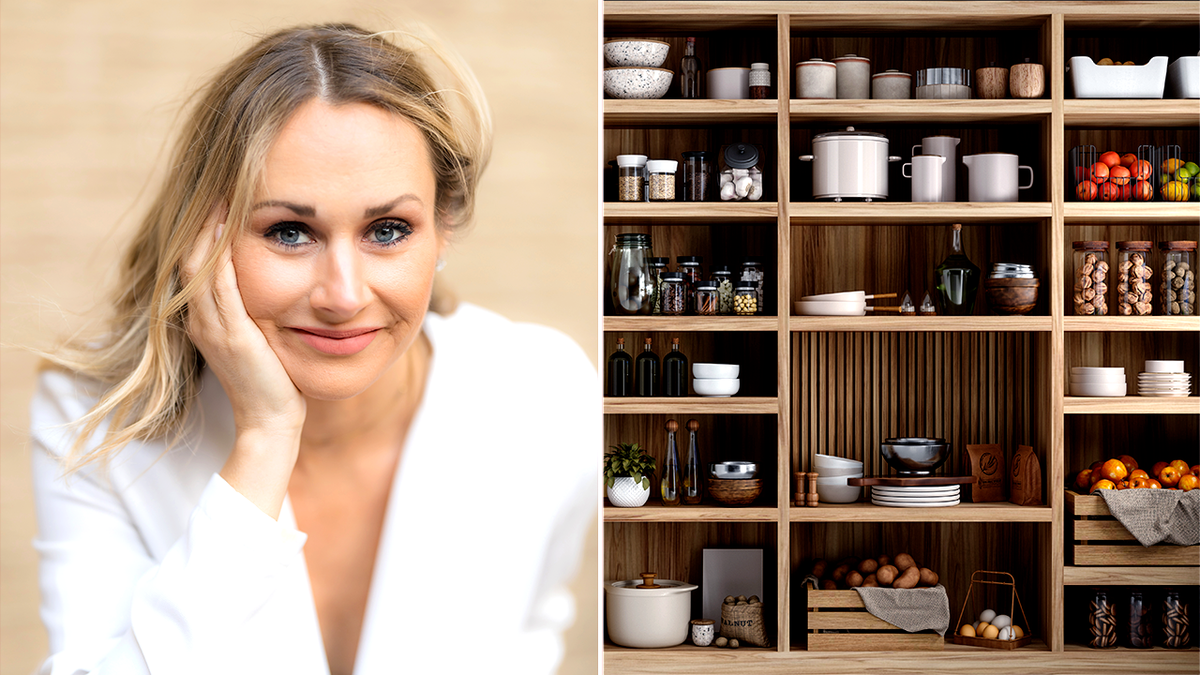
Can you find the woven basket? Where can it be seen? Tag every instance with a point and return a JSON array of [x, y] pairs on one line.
[[744, 622]]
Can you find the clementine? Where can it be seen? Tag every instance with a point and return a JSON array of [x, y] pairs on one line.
[[1196, 469]]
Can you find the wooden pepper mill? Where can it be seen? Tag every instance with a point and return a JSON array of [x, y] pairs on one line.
[[813, 498]]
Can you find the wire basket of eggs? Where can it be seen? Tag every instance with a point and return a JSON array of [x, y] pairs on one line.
[[993, 630]]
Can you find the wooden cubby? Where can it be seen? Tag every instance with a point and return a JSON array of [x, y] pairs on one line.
[[840, 384]]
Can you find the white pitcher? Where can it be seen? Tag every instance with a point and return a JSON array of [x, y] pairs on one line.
[[926, 177], [946, 146], [993, 177]]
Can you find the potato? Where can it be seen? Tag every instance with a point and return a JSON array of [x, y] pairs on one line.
[[840, 572], [854, 580], [886, 575], [883, 560], [908, 579], [829, 585], [819, 566], [870, 582], [867, 566], [928, 577], [903, 561]]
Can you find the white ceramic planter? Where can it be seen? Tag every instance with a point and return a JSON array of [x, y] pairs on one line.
[[627, 493]]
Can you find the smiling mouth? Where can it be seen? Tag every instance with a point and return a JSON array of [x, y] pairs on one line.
[[337, 342]]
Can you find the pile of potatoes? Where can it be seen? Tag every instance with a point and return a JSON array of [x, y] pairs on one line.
[[898, 572]]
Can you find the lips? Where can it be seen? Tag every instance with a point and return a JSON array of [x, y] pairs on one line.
[[337, 342]]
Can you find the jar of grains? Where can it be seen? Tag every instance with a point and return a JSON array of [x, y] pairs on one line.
[[752, 273], [697, 173], [723, 278], [1102, 621], [745, 300], [662, 179], [631, 178], [1091, 278], [690, 267], [658, 267], [707, 298], [1134, 294], [1177, 292], [674, 294]]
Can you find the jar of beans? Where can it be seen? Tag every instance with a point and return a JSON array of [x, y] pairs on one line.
[[1175, 622], [1102, 621], [631, 178], [662, 179], [745, 300], [707, 298], [674, 294], [1134, 294], [752, 274], [723, 278], [658, 267], [1091, 278], [1177, 292]]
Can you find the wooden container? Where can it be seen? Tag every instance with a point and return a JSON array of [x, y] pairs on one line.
[[1100, 539], [854, 629], [736, 491], [1011, 296]]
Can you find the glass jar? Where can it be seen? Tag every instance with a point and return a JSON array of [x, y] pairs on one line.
[[1177, 292], [1090, 296], [760, 80], [1176, 633], [752, 274], [658, 267], [662, 179], [745, 300], [696, 175], [1102, 621], [674, 294], [1141, 623], [690, 267], [723, 278], [741, 173], [632, 285], [631, 178], [1134, 294], [707, 298]]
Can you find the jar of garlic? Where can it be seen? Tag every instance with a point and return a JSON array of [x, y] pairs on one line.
[[1134, 294], [741, 173], [1177, 292], [1091, 278]]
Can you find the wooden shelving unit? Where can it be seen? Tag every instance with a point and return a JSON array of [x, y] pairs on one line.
[[981, 377]]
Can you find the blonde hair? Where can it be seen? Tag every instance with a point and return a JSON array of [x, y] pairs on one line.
[[146, 365]]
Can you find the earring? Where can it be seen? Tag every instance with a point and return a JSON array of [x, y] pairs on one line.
[[441, 265]]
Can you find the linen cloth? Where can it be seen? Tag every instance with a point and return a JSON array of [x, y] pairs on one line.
[[1154, 516], [913, 609]]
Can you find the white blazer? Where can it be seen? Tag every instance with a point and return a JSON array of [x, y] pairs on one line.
[[161, 567]]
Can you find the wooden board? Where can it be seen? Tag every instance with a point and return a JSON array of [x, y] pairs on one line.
[[913, 482], [1096, 554]]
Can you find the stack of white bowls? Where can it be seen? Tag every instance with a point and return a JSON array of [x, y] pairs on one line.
[[1164, 378], [832, 476], [715, 379], [1087, 381]]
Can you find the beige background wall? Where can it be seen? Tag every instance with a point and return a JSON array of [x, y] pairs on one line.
[[89, 90]]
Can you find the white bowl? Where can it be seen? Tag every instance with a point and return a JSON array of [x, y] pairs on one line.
[[1081, 374], [1164, 366], [836, 480], [834, 462], [838, 494], [725, 387], [637, 82], [1097, 389], [1083, 380], [843, 473], [715, 371], [729, 83], [636, 53], [829, 308]]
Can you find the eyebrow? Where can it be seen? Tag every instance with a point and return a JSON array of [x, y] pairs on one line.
[[310, 212]]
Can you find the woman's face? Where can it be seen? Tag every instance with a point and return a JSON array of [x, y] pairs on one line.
[[337, 264]]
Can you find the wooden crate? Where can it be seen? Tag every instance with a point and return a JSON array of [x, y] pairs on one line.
[[838, 622], [1100, 539]]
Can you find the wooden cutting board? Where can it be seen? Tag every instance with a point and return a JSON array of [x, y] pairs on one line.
[[913, 482]]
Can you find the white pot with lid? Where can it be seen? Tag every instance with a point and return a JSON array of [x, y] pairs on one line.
[[850, 165], [648, 614]]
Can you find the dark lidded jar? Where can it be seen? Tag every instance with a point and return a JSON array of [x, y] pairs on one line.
[[697, 173]]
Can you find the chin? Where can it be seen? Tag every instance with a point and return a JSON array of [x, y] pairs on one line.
[[334, 382]]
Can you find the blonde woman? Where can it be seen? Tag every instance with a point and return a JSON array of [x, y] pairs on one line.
[[276, 459]]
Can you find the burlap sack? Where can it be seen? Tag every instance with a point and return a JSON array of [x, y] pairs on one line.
[[913, 609], [987, 465], [1154, 516], [1025, 478], [744, 622]]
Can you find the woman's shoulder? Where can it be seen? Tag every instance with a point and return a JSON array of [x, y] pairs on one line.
[[492, 335]]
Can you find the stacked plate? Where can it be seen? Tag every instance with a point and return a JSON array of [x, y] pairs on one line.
[[1011, 271], [1087, 381], [912, 497], [1164, 378]]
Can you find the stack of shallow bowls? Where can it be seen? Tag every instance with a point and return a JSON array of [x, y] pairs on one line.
[[636, 72], [1164, 378], [1086, 381], [832, 476], [716, 379]]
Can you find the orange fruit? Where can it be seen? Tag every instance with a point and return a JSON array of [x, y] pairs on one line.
[[1099, 173], [1086, 191], [1141, 482], [1141, 170], [1102, 485], [1154, 484], [1169, 476], [1114, 470], [1083, 480], [1111, 192], [1128, 159], [1188, 482], [1129, 462], [1181, 466], [1138, 473], [1119, 175], [1110, 159], [1158, 466]]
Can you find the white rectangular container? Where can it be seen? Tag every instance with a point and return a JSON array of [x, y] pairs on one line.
[[1183, 77], [1089, 80]]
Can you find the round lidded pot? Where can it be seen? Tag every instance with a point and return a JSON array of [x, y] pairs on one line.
[[1027, 80], [853, 76], [647, 613], [702, 632], [891, 84], [991, 82], [816, 79], [850, 165]]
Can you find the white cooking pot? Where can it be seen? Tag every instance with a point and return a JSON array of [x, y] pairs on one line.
[[646, 613], [993, 177], [850, 165]]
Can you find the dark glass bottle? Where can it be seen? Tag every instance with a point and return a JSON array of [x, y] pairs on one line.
[[957, 279], [689, 71], [691, 470], [675, 371], [670, 474], [648, 373], [620, 372]]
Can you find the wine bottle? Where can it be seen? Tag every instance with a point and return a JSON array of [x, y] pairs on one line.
[[620, 372], [675, 371], [648, 374], [957, 279]]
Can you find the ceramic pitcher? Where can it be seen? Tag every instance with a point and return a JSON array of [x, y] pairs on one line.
[[946, 146], [993, 177], [926, 177]]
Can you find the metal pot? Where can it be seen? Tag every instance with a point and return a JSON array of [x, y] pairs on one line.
[[850, 165], [648, 614]]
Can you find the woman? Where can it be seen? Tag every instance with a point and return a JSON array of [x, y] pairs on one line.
[[276, 460]]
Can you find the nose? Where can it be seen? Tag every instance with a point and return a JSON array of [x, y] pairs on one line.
[[341, 290]]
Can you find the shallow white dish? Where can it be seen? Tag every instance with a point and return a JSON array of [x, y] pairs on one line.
[[1078, 380], [836, 462], [910, 505], [1164, 366], [836, 480], [639, 83], [832, 472], [914, 498], [1098, 389], [830, 308], [636, 53], [719, 388], [838, 494], [914, 491], [1082, 374], [715, 371], [1156, 395]]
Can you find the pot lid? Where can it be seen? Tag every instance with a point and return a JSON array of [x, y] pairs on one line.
[[850, 132], [852, 57], [891, 72], [648, 586], [741, 155], [816, 62]]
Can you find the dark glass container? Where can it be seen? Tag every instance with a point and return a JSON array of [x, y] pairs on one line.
[[1102, 621], [697, 172], [957, 279], [691, 267], [675, 371], [1141, 622], [1175, 621], [619, 380], [648, 374]]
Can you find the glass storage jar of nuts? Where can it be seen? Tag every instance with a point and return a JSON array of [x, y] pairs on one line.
[[745, 300], [753, 274], [1177, 292], [1175, 622], [691, 267], [1134, 294], [658, 267], [1091, 278], [1141, 623], [723, 278]]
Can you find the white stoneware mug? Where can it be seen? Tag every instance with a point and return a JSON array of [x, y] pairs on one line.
[[946, 146], [729, 83], [993, 177], [926, 177]]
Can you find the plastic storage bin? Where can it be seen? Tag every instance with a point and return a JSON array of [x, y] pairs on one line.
[[1089, 80], [1183, 77]]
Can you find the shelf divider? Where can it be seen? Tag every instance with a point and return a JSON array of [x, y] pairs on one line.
[[1131, 405]]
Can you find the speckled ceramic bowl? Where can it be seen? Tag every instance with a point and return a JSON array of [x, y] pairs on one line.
[[636, 53], [637, 82]]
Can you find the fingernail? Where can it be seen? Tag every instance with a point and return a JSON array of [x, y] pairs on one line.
[[220, 228]]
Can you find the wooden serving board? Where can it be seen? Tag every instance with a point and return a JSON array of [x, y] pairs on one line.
[[991, 643], [913, 482]]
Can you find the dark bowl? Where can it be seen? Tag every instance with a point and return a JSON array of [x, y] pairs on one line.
[[915, 456], [1011, 298]]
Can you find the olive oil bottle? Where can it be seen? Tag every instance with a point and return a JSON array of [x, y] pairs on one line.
[[670, 474], [648, 373], [675, 371], [619, 380], [957, 279], [691, 470]]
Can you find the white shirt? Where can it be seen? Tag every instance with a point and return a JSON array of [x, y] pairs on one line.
[[162, 567]]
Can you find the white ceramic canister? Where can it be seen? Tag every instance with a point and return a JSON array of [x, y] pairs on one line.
[[730, 83], [647, 613], [946, 146], [850, 165], [926, 177], [993, 177], [891, 84], [816, 79], [853, 76], [702, 632], [760, 76]]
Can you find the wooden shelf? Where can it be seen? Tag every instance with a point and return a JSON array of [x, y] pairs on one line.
[[691, 323], [703, 513], [864, 512], [1130, 576], [690, 213], [919, 324], [1137, 113], [697, 405], [905, 213], [918, 111], [1131, 405], [668, 112], [1138, 324], [1130, 212]]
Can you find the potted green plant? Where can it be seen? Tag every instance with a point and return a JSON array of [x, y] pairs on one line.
[[627, 470]]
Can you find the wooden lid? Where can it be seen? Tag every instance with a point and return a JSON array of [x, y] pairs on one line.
[[1090, 245], [1177, 245], [702, 622], [1134, 245]]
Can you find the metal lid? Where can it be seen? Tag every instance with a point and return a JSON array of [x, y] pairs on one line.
[[633, 238], [741, 155], [745, 287], [688, 259], [721, 269], [659, 262], [849, 132], [697, 154], [926, 76], [706, 285], [752, 260], [673, 276]]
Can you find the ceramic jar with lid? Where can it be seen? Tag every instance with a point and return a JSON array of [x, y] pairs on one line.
[[702, 632], [816, 79], [891, 84], [991, 82], [853, 76], [760, 80], [1027, 80], [943, 83]]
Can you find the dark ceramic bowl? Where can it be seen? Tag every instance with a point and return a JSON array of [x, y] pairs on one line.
[[1011, 296], [915, 456]]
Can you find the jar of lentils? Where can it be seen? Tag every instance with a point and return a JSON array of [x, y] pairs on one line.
[[658, 267], [752, 274], [723, 278], [674, 294], [707, 298], [1177, 292], [1091, 278], [745, 300], [1134, 294]]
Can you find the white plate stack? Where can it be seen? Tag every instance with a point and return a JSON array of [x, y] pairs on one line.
[[1164, 378], [915, 496], [1087, 381]]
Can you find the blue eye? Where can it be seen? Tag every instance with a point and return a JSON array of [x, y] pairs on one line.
[[290, 235], [389, 232]]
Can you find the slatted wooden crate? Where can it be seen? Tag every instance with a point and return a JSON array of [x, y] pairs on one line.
[[1100, 539], [838, 622]]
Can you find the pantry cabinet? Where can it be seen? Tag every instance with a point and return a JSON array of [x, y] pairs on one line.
[[835, 385]]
